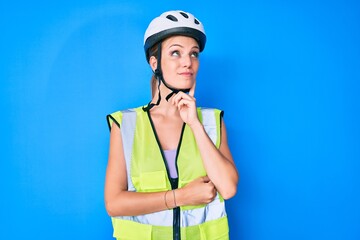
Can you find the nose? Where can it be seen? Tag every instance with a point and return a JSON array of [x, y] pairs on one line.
[[186, 61]]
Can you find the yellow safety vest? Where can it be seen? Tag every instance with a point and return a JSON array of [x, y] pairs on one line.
[[147, 171]]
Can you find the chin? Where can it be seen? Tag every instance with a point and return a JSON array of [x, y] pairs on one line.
[[187, 86], [189, 83]]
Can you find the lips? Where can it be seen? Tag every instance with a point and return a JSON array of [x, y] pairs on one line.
[[186, 73]]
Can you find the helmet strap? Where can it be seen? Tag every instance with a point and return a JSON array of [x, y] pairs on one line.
[[159, 76]]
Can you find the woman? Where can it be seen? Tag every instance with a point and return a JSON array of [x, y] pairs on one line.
[[170, 167]]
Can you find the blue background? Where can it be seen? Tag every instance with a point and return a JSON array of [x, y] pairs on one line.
[[285, 72]]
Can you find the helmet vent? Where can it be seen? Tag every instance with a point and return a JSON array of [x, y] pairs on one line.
[[196, 22], [172, 18], [184, 15]]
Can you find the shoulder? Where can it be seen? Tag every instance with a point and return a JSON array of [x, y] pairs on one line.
[[206, 111], [210, 116], [117, 116]]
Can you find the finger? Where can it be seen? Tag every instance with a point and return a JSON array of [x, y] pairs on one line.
[[206, 179], [184, 95], [184, 102], [178, 97], [210, 183], [214, 196], [192, 90]]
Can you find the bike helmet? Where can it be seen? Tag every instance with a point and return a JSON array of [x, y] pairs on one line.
[[174, 23], [169, 24]]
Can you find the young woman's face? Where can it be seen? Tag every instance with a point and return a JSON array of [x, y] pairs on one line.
[[180, 61]]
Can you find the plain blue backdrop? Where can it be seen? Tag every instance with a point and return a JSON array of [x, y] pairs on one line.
[[286, 73]]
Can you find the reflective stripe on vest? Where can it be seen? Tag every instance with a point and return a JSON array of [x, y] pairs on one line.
[[209, 123], [195, 220], [212, 230]]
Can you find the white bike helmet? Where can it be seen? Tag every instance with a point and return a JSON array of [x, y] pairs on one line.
[[174, 23], [168, 24]]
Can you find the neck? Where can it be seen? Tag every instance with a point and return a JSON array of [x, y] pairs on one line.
[[165, 107]]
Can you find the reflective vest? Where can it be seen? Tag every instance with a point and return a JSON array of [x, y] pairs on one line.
[[147, 171]]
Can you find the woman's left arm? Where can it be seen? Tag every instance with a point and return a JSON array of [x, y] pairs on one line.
[[219, 164]]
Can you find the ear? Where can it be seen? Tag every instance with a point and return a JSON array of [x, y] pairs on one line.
[[153, 63]]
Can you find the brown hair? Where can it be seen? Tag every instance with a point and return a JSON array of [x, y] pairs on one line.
[[153, 51], [153, 84]]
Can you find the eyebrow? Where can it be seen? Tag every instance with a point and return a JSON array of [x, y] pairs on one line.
[[179, 45]]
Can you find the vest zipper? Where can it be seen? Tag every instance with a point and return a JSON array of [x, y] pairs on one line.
[[176, 223], [173, 181], [176, 213]]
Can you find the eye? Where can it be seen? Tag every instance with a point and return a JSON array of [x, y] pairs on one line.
[[195, 54], [175, 53]]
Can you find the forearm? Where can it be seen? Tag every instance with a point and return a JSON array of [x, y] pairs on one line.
[[127, 203], [221, 170]]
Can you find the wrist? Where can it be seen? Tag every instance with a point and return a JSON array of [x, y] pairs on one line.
[[196, 125], [178, 197]]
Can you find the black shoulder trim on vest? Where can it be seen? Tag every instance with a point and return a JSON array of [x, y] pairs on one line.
[[221, 117], [108, 117]]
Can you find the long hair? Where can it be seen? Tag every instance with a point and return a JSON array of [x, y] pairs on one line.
[[153, 51], [153, 84]]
